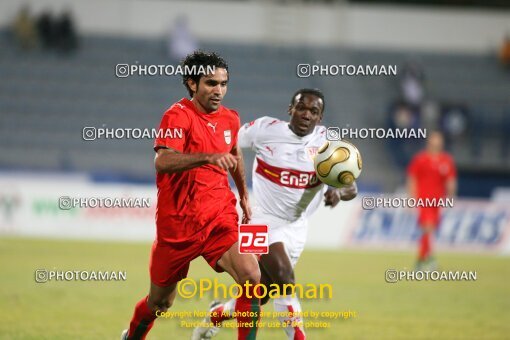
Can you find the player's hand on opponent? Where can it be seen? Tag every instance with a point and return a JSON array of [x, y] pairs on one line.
[[223, 160], [332, 197], [245, 205]]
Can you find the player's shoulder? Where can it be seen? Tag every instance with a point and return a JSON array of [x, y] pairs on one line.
[[262, 122], [419, 158], [230, 112], [231, 115], [320, 131], [267, 121], [180, 108], [422, 155], [447, 157]]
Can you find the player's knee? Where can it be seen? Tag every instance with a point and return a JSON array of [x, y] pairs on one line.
[[161, 304], [284, 275], [250, 274]]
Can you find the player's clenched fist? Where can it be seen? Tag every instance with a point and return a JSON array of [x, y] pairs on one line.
[[223, 160]]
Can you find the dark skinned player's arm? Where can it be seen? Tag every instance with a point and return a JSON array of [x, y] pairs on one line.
[[349, 192], [170, 161], [334, 195]]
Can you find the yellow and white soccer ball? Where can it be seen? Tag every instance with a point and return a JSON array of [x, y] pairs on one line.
[[338, 163]]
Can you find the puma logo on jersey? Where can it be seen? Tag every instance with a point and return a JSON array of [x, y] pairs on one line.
[[212, 126], [179, 105], [312, 152]]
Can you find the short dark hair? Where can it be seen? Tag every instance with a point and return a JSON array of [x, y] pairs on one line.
[[315, 92], [197, 59]]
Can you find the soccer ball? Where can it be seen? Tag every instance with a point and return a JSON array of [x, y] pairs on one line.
[[337, 163]]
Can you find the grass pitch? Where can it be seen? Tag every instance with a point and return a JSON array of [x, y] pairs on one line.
[[101, 310]]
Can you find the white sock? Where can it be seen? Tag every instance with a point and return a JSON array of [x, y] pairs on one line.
[[225, 311], [229, 307], [294, 329]]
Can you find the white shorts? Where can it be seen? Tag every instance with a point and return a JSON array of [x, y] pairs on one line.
[[291, 233]]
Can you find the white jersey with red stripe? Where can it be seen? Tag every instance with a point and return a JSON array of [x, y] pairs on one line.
[[284, 180]]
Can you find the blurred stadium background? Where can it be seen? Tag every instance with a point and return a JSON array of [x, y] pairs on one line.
[[57, 71]]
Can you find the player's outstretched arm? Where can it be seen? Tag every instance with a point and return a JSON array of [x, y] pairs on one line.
[[349, 192], [170, 161], [238, 174], [334, 195]]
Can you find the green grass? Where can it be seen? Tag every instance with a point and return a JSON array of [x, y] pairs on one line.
[[100, 310]]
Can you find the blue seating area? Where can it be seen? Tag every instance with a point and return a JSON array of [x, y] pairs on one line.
[[46, 99]]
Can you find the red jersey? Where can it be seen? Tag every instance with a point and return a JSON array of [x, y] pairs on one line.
[[192, 200], [431, 173]]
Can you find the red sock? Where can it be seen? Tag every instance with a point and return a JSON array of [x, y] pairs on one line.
[[142, 321], [251, 308], [424, 246], [427, 245]]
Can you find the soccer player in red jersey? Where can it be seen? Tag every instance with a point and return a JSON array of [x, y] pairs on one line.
[[196, 213], [431, 174]]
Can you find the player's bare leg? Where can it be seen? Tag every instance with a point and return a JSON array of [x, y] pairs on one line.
[[244, 268], [266, 281], [275, 267], [279, 269], [159, 299], [225, 311]]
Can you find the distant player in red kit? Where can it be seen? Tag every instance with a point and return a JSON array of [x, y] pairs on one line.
[[431, 174], [196, 213]]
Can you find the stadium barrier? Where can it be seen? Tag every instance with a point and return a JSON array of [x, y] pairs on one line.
[[468, 226], [39, 206]]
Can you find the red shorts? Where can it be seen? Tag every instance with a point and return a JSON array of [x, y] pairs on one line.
[[429, 216], [169, 262]]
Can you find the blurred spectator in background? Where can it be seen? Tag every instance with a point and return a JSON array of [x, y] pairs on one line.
[[46, 30], [403, 116], [430, 115], [414, 111], [57, 33], [412, 89], [24, 29], [504, 52], [66, 38], [454, 122], [405, 112], [181, 41], [432, 174]]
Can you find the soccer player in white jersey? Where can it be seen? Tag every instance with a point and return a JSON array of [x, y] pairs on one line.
[[286, 192]]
